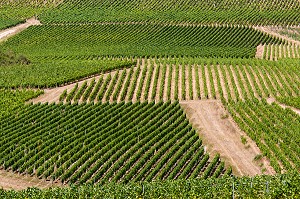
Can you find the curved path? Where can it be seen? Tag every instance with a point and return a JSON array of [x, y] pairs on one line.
[[5, 34]]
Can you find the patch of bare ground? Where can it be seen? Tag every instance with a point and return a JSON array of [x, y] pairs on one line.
[[7, 33], [275, 33], [271, 100], [10, 180], [260, 51], [221, 135]]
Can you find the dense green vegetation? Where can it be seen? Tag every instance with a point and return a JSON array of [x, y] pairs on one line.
[[140, 144], [55, 73], [274, 129], [290, 101], [17, 11], [247, 12], [137, 40], [11, 100], [10, 58], [278, 186], [104, 142]]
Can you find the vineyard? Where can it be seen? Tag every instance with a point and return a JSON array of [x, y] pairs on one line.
[[276, 52], [274, 129], [189, 79], [137, 40], [150, 99], [105, 142], [242, 12], [47, 74]]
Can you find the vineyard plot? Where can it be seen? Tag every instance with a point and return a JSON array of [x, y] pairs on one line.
[[149, 39], [274, 129], [117, 142], [190, 79], [223, 136], [242, 12]]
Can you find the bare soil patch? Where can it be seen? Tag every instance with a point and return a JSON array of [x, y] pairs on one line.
[[221, 135], [10, 180], [260, 51]]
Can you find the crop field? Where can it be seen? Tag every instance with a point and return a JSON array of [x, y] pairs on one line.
[[105, 142], [138, 40], [190, 79], [243, 12], [150, 99]]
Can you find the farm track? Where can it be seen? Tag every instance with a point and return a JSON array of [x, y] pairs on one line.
[[7, 33]]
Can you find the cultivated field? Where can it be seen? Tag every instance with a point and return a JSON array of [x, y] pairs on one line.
[[150, 99]]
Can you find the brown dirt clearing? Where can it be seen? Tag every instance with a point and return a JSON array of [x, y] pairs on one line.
[[9, 180], [221, 135]]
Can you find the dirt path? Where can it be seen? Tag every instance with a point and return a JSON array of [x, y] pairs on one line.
[[9, 180], [271, 100], [221, 135], [5, 34], [269, 31]]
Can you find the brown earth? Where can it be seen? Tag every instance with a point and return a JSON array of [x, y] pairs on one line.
[[260, 51], [10, 180], [221, 135]]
